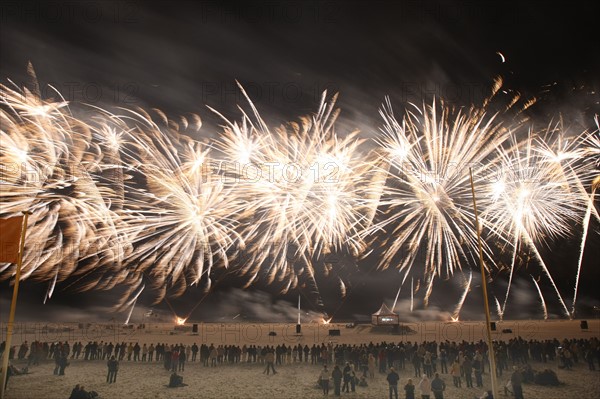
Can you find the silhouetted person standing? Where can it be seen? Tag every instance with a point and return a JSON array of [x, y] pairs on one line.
[[113, 367], [270, 359], [324, 380], [516, 380], [392, 379], [438, 386], [336, 375]]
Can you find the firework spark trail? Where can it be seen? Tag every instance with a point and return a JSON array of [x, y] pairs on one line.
[[401, 284], [532, 245], [512, 270], [544, 308], [396, 299], [499, 309], [586, 224], [51, 287], [593, 152], [132, 302], [461, 301]]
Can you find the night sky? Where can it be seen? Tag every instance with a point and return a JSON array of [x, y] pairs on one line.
[[180, 57]]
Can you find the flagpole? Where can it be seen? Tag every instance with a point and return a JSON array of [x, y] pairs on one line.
[[13, 306], [490, 343], [298, 309]]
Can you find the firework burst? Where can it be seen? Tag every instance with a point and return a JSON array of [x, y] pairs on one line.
[[536, 197], [308, 189], [48, 168], [427, 216]]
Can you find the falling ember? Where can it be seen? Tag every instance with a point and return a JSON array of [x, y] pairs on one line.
[[545, 309], [461, 301], [396, 299], [499, 309], [132, 303], [586, 225]]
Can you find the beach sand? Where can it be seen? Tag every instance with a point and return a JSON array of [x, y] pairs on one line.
[[145, 380]]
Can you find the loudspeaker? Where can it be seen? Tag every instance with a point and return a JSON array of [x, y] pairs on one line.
[[194, 328], [493, 326], [584, 324], [334, 333], [298, 328]]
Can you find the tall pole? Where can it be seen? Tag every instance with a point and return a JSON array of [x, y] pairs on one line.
[[490, 343], [298, 309], [13, 306], [412, 294]]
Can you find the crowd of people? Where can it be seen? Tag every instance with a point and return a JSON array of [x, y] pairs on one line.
[[346, 366]]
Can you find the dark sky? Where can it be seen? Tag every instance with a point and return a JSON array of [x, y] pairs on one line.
[[180, 57]]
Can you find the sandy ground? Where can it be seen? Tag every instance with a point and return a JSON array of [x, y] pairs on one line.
[[143, 380]]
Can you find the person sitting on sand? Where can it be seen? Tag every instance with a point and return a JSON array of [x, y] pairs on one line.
[[487, 395], [176, 381], [75, 392], [79, 392], [363, 381]]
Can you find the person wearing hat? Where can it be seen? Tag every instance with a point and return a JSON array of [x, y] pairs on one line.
[[392, 379]]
